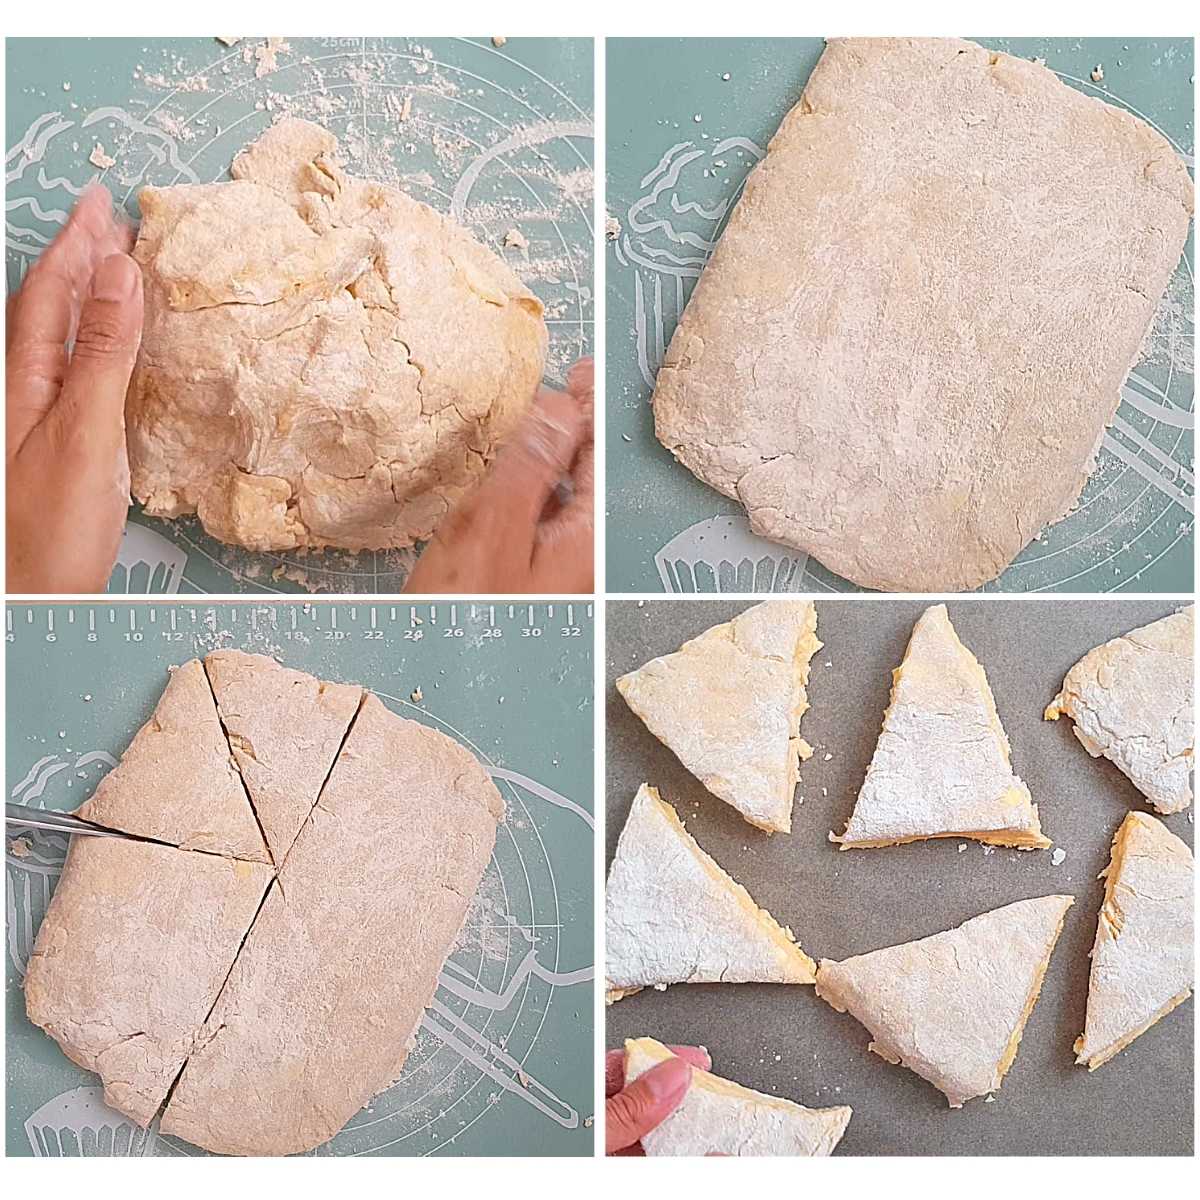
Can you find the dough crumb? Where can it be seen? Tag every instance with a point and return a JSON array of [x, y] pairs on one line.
[[267, 56], [225, 41], [987, 850], [98, 158], [1098, 73], [726, 77], [612, 228], [417, 695], [499, 41], [588, 1122], [989, 1100], [1058, 857], [828, 757], [514, 239], [961, 847], [19, 848]]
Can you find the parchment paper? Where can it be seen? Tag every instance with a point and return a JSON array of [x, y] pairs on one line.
[[786, 1041]]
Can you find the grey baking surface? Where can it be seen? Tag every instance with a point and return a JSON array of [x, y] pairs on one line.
[[786, 1041]]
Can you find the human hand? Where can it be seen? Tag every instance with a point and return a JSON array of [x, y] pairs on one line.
[[512, 534], [631, 1112], [68, 475]]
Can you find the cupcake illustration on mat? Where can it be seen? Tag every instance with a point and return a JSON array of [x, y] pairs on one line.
[[670, 231], [78, 1124], [723, 555]]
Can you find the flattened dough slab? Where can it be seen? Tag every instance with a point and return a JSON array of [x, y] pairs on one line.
[[177, 783], [728, 704], [131, 955], [673, 916], [1131, 701], [324, 1001], [941, 767], [285, 728], [1142, 960], [326, 361], [718, 1116], [952, 1006], [904, 351]]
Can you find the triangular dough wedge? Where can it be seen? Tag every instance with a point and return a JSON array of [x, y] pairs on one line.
[[673, 916], [177, 782], [941, 767], [1131, 701], [1142, 958], [718, 1116], [285, 729], [952, 1007], [728, 705]]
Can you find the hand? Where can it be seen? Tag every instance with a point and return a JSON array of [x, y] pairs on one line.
[[68, 476], [631, 1112], [513, 534]]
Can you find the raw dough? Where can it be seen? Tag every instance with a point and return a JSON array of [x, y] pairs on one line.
[[285, 728], [326, 361], [903, 353], [718, 1116], [729, 703], [673, 916], [1131, 701], [952, 1007], [1142, 959], [324, 1001], [177, 782], [941, 767], [131, 954]]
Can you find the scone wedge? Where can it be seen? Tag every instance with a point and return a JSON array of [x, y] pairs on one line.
[[1131, 701], [1142, 960], [673, 916], [952, 1007], [941, 766], [718, 1116], [728, 705]]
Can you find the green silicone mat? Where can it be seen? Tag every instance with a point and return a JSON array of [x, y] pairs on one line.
[[687, 119], [503, 1061], [499, 137]]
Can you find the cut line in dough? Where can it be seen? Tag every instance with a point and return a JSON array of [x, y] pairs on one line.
[[728, 705], [952, 1007], [1142, 959], [941, 767], [672, 915], [718, 1116], [1130, 700]]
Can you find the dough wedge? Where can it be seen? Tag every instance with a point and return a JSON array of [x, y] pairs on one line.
[[1142, 959], [672, 915], [952, 1007], [1131, 701], [177, 782], [941, 766], [718, 1116], [728, 705]]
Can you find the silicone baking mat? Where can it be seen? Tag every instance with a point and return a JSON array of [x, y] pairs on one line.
[[687, 120], [503, 1061], [786, 1041], [500, 137]]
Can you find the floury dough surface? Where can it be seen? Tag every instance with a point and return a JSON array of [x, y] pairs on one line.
[[325, 361], [952, 1006], [1131, 701], [131, 954], [729, 704], [672, 915], [718, 1116], [902, 356]]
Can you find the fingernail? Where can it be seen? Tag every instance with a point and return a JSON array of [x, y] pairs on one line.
[[667, 1080], [115, 278]]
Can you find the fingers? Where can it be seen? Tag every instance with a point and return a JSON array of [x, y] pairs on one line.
[[645, 1103], [90, 411], [43, 316], [614, 1064]]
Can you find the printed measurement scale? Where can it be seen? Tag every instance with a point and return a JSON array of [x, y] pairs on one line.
[[497, 137], [503, 1061]]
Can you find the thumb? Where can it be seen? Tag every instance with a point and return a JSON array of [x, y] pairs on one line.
[[529, 467], [645, 1103], [106, 345]]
